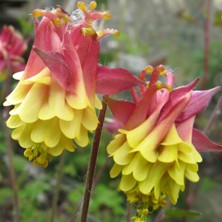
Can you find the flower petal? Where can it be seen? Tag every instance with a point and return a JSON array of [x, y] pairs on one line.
[[198, 102], [110, 81], [29, 108], [127, 183], [122, 156], [202, 143], [121, 110], [55, 61]]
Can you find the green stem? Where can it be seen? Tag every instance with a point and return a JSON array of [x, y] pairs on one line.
[[92, 163], [57, 187]]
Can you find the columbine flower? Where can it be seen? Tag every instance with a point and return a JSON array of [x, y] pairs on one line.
[[154, 151], [55, 101], [12, 47]]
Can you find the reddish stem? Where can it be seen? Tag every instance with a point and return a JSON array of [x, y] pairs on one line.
[[207, 24], [92, 163]]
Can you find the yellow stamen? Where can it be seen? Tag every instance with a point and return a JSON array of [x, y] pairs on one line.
[[161, 69], [82, 6], [57, 21], [37, 13], [160, 85], [93, 5], [106, 15], [149, 69], [88, 31], [37, 155]]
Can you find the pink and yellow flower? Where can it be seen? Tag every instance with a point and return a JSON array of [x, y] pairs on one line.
[[12, 48], [55, 100], [156, 148]]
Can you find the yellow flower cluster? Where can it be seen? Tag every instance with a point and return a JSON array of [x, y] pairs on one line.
[[46, 118], [151, 171]]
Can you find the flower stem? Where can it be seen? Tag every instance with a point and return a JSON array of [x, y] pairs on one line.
[[92, 163], [10, 148], [207, 26], [57, 187], [128, 212]]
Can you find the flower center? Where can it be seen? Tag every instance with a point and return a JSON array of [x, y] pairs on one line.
[[37, 155]]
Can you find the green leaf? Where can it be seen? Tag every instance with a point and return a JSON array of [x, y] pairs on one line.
[[178, 213]]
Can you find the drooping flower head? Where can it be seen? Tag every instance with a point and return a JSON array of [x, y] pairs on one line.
[[154, 151], [55, 100], [12, 48]]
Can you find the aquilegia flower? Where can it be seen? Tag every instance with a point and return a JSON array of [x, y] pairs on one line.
[[12, 48], [55, 100], [156, 149]]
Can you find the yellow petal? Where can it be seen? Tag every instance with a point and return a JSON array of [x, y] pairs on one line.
[[168, 153], [64, 143], [22, 134], [17, 95], [122, 156], [148, 147], [138, 166], [89, 119], [14, 121], [98, 103], [116, 143], [185, 147], [156, 172], [136, 135], [55, 151], [115, 171], [172, 190], [127, 183], [176, 172], [16, 133], [190, 175], [82, 140], [172, 137], [193, 167], [29, 109], [77, 101], [42, 77], [56, 106], [47, 132], [196, 155], [71, 129], [186, 157]]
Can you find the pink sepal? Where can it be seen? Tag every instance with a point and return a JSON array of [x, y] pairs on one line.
[[121, 110], [110, 81], [198, 102], [55, 61], [203, 144]]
